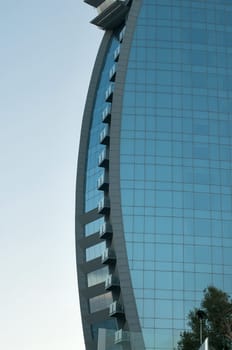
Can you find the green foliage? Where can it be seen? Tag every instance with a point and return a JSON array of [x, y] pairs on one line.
[[216, 323]]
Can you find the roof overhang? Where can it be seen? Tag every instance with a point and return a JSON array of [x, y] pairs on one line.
[[111, 13], [94, 3]]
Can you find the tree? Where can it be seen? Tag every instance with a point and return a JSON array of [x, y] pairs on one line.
[[214, 319]]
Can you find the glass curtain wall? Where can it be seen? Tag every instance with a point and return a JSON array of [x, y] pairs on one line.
[[175, 157]]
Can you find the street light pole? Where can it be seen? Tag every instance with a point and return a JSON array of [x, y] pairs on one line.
[[201, 315], [201, 331]]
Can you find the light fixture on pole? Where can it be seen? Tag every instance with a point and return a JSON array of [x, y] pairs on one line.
[[201, 315]]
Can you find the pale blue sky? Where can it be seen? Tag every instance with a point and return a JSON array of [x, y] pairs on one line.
[[47, 51]]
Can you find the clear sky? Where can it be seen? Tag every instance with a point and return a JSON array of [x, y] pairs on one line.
[[47, 51]]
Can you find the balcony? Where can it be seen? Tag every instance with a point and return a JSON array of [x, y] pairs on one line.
[[112, 73], [117, 53], [108, 256], [105, 230], [103, 158], [104, 206], [122, 34], [106, 114], [121, 336], [109, 93], [115, 309], [103, 182], [105, 135], [111, 282]]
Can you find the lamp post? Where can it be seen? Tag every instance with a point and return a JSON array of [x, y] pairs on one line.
[[201, 315]]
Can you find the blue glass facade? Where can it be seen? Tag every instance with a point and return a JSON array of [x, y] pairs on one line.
[[176, 160], [169, 170]]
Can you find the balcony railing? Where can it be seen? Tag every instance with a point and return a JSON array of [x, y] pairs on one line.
[[103, 158], [112, 73], [116, 309], [103, 182], [111, 282], [117, 53], [108, 256], [105, 230], [106, 114], [105, 135], [104, 205], [109, 93], [121, 337], [122, 34]]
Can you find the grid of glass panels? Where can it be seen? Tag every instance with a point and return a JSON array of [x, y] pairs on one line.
[[176, 169]]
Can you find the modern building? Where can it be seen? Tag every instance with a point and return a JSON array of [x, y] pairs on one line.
[[154, 179]]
